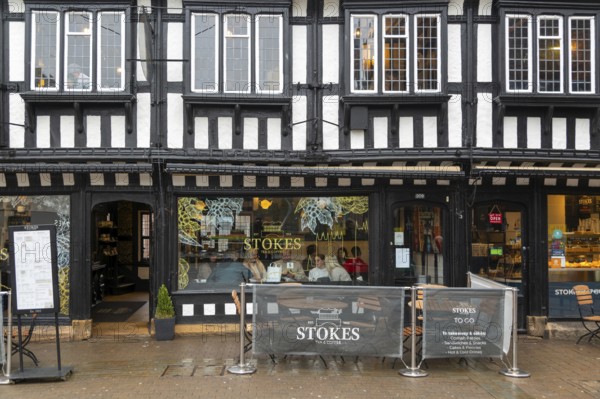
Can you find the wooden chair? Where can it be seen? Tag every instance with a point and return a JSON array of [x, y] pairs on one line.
[[585, 304]]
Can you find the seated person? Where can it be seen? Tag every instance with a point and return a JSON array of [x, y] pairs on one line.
[[256, 267], [320, 270], [355, 266], [290, 268], [336, 272], [229, 271], [206, 268]]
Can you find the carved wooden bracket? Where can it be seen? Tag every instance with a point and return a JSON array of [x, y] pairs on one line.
[[395, 122]]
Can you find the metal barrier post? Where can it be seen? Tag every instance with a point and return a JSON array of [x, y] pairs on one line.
[[514, 370], [6, 379], [413, 370], [242, 367]]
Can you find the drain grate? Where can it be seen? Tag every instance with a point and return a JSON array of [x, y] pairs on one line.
[[207, 370], [178, 371]]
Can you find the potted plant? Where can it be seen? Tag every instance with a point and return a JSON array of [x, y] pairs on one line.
[[164, 316]]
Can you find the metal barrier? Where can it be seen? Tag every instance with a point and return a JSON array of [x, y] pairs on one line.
[[6, 345]]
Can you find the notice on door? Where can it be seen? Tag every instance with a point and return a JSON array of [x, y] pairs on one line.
[[34, 268]]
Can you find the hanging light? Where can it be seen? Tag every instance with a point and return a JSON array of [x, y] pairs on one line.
[[265, 204]]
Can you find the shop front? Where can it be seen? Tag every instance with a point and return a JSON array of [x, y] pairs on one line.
[[573, 251]]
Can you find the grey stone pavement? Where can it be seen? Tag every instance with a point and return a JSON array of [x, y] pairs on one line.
[[195, 366]]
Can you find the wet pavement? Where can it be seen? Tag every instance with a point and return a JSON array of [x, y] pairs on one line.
[[192, 366]]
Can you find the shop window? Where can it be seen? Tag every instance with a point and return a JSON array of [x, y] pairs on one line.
[[573, 250], [223, 47], [226, 240], [399, 70], [38, 210], [146, 223], [552, 36], [93, 44]]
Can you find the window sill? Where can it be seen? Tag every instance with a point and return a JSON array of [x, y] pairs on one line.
[[391, 99], [548, 100], [33, 99]]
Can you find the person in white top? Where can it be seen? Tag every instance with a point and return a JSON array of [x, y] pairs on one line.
[[320, 270], [336, 271]]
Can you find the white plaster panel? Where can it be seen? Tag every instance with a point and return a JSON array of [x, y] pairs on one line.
[[357, 139], [45, 180], [456, 7], [16, 110], [2, 180], [485, 7], [572, 182], [209, 309], [367, 182], [344, 182], [455, 55], [484, 53], [331, 45], [274, 133], [138, 65], [559, 133], [230, 309], [273, 181], [455, 121], [550, 181], [96, 179], [430, 132], [299, 130], [225, 133], [201, 132], [67, 131], [331, 8], [582, 134], [380, 132], [16, 51], [299, 53], [484, 120], [93, 134], [117, 131], [297, 181], [143, 120], [522, 181], [178, 180], [145, 179], [16, 6], [331, 137], [175, 120], [144, 3], [299, 8], [510, 132], [406, 132], [226, 181], [22, 179], [250, 133], [594, 182], [121, 179], [175, 7], [320, 181], [175, 52], [42, 131], [249, 181], [202, 181], [534, 132], [68, 179]]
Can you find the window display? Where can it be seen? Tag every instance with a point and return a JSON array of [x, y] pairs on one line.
[[224, 241]]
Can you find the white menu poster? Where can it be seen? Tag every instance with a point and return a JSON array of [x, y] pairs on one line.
[[34, 280]]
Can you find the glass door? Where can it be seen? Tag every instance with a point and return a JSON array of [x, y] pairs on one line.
[[418, 244]]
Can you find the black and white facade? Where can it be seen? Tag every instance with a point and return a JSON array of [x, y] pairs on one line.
[[434, 115]]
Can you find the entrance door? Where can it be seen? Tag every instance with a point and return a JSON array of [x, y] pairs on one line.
[[498, 242], [418, 244], [120, 252]]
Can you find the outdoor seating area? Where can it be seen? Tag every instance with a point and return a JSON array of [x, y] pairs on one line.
[[589, 318]]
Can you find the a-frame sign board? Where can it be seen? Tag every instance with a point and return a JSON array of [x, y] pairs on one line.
[[34, 280]]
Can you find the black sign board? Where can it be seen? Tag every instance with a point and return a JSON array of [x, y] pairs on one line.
[[34, 269], [325, 319]]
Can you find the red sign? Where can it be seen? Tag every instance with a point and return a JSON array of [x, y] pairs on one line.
[[495, 218]]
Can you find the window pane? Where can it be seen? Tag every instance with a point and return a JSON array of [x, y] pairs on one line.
[[237, 53], [363, 53], [518, 53], [218, 237], [78, 49], [111, 49], [549, 54], [45, 49], [427, 52], [395, 54], [205, 52], [582, 55], [269, 53]]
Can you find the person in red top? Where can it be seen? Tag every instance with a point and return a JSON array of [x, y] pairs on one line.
[[356, 267]]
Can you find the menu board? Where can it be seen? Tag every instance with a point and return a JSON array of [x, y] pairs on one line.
[[34, 270]]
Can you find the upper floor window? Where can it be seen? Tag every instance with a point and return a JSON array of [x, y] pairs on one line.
[[78, 50], [538, 60], [224, 47], [410, 57]]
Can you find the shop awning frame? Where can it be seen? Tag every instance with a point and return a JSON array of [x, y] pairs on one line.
[[75, 168]]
